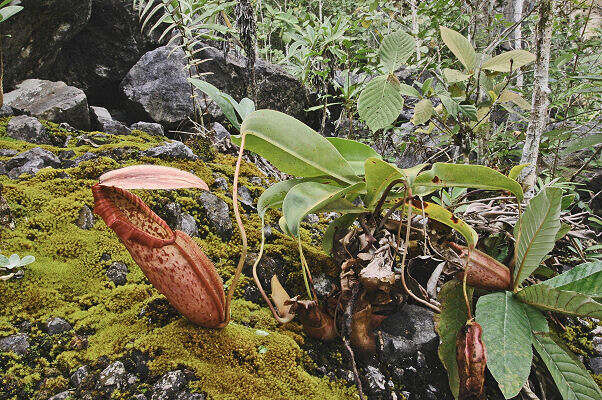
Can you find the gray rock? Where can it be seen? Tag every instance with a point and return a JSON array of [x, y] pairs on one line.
[[157, 87], [180, 220], [375, 381], [139, 397], [17, 343], [246, 198], [255, 180], [30, 162], [595, 364], [28, 129], [37, 34], [219, 133], [56, 325], [117, 273], [189, 396], [66, 395], [169, 385], [217, 213], [8, 153], [311, 219], [87, 156], [323, 285], [52, 101], [104, 122], [220, 183], [85, 219], [112, 377], [6, 111], [79, 376], [171, 150], [149, 127]]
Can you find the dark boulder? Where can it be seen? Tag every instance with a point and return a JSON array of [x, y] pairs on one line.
[[28, 129], [30, 162]]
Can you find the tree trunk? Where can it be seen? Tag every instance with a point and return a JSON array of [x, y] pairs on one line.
[[247, 29], [414, 8], [541, 90], [517, 14]]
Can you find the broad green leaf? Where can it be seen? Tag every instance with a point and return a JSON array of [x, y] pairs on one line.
[[450, 105], [460, 46], [572, 379], [379, 174], [293, 147], [9, 11], [310, 197], [535, 232], [380, 103], [468, 176], [516, 170], [508, 95], [340, 223], [355, 153], [423, 111], [562, 301], [537, 321], [273, 196], [408, 90], [438, 213], [245, 107], [454, 76], [584, 278], [3, 261], [283, 226], [395, 49], [452, 318], [507, 338], [501, 63], [216, 95], [27, 260], [583, 143], [469, 110]]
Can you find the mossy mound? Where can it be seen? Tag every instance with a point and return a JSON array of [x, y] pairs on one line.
[[68, 280]]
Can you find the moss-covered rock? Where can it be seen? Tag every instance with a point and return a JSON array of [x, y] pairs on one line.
[[68, 280]]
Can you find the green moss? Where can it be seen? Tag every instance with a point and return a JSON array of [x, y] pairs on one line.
[[68, 280]]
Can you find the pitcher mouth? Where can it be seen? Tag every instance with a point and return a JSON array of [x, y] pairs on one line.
[[130, 218]]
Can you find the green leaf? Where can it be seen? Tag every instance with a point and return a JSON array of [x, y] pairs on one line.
[[507, 338], [341, 223], [27, 260], [355, 153], [310, 197], [454, 76], [460, 46], [395, 49], [216, 95], [572, 379], [535, 232], [293, 147], [516, 170], [438, 213], [380, 103], [423, 111], [469, 110], [379, 174], [537, 321], [468, 176], [408, 90], [3, 261], [501, 63], [452, 318], [584, 278], [9, 11], [510, 96], [583, 143], [562, 301], [273, 196], [450, 105]]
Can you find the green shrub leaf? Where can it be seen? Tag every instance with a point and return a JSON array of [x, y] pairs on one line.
[[516, 170], [452, 318], [571, 377], [355, 153], [379, 174], [273, 196], [469, 176], [9, 11], [535, 232], [340, 223], [460, 46], [216, 95], [310, 197], [408, 90], [454, 76], [507, 338], [380, 103], [501, 63], [584, 278], [423, 111], [562, 301], [395, 49], [438, 213], [293, 147]]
